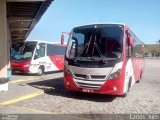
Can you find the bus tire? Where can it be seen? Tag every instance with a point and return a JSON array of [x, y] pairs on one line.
[[138, 81], [40, 71], [140, 78], [125, 94], [128, 89]]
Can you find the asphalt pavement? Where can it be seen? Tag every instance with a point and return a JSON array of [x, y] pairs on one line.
[[46, 95]]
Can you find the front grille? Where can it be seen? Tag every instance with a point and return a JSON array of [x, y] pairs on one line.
[[80, 75], [92, 76], [98, 76], [88, 86], [92, 82]]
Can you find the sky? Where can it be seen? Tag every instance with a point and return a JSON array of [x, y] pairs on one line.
[[142, 16]]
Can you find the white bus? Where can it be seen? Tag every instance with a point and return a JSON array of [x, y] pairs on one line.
[[37, 57]]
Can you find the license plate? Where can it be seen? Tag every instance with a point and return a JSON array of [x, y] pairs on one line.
[[88, 90]]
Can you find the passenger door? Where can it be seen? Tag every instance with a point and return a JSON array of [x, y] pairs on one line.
[[39, 56], [136, 57], [131, 54]]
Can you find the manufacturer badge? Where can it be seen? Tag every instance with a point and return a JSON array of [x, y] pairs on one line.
[[88, 77]]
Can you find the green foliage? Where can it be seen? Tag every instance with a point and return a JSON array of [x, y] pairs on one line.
[[155, 53]]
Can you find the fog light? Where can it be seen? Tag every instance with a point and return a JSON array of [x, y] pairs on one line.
[[114, 88], [68, 83]]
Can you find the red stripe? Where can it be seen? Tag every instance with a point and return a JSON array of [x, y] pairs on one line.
[[58, 61]]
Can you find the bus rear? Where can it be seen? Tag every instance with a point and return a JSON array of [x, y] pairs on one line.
[[95, 59]]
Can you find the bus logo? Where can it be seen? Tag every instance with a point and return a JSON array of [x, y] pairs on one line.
[[88, 77]]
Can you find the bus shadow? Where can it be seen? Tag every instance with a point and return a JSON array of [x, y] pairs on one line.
[[27, 74], [22, 74], [58, 71], [56, 87]]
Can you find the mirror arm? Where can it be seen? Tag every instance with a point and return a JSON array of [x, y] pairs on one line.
[[62, 36]]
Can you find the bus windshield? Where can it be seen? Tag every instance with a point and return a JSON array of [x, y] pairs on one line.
[[96, 42], [23, 51]]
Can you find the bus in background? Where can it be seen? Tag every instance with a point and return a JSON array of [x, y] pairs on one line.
[[103, 58], [37, 57]]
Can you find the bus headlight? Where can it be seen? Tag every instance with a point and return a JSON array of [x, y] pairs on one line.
[[114, 75], [27, 65]]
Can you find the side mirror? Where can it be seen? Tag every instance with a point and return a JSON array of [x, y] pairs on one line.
[[131, 41], [62, 36]]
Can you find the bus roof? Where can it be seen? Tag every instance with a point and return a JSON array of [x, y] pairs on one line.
[[101, 23], [42, 41]]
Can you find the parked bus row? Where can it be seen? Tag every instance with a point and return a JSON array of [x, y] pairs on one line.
[[99, 58]]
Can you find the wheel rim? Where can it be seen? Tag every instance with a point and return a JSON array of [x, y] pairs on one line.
[[39, 71]]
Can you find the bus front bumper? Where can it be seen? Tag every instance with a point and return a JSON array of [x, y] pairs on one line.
[[20, 69], [110, 87]]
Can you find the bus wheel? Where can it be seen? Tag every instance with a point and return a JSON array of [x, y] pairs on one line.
[[40, 71], [140, 78], [125, 94], [128, 89], [138, 81]]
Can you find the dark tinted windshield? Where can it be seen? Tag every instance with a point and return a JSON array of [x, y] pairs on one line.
[[96, 41], [23, 50]]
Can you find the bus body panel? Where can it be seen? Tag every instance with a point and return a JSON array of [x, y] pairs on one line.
[[129, 73], [43, 61], [58, 61]]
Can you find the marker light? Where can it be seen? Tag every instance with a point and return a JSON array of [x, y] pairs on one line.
[[114, 88], [27, 65], [68, 83]]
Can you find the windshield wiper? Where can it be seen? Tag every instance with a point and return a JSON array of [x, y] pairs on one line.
[[94, 46], [100, 53], [81, 52]]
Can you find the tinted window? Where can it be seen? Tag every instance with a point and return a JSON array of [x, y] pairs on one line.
[[23, 50], [55, 50], [41, 51], [137, 49]]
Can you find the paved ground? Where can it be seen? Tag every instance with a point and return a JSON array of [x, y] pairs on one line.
[[49, 96]]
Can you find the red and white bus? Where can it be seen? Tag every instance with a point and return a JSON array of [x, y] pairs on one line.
[[103, 58], [37, 57]]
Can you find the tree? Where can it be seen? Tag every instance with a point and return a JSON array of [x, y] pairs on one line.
[[158, 41]]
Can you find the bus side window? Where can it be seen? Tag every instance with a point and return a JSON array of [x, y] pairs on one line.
[[53, 50], [137, 48], [73, 49], [129, 49], [40, 51]]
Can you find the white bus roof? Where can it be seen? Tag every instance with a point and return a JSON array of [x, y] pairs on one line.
[[42, 41]]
